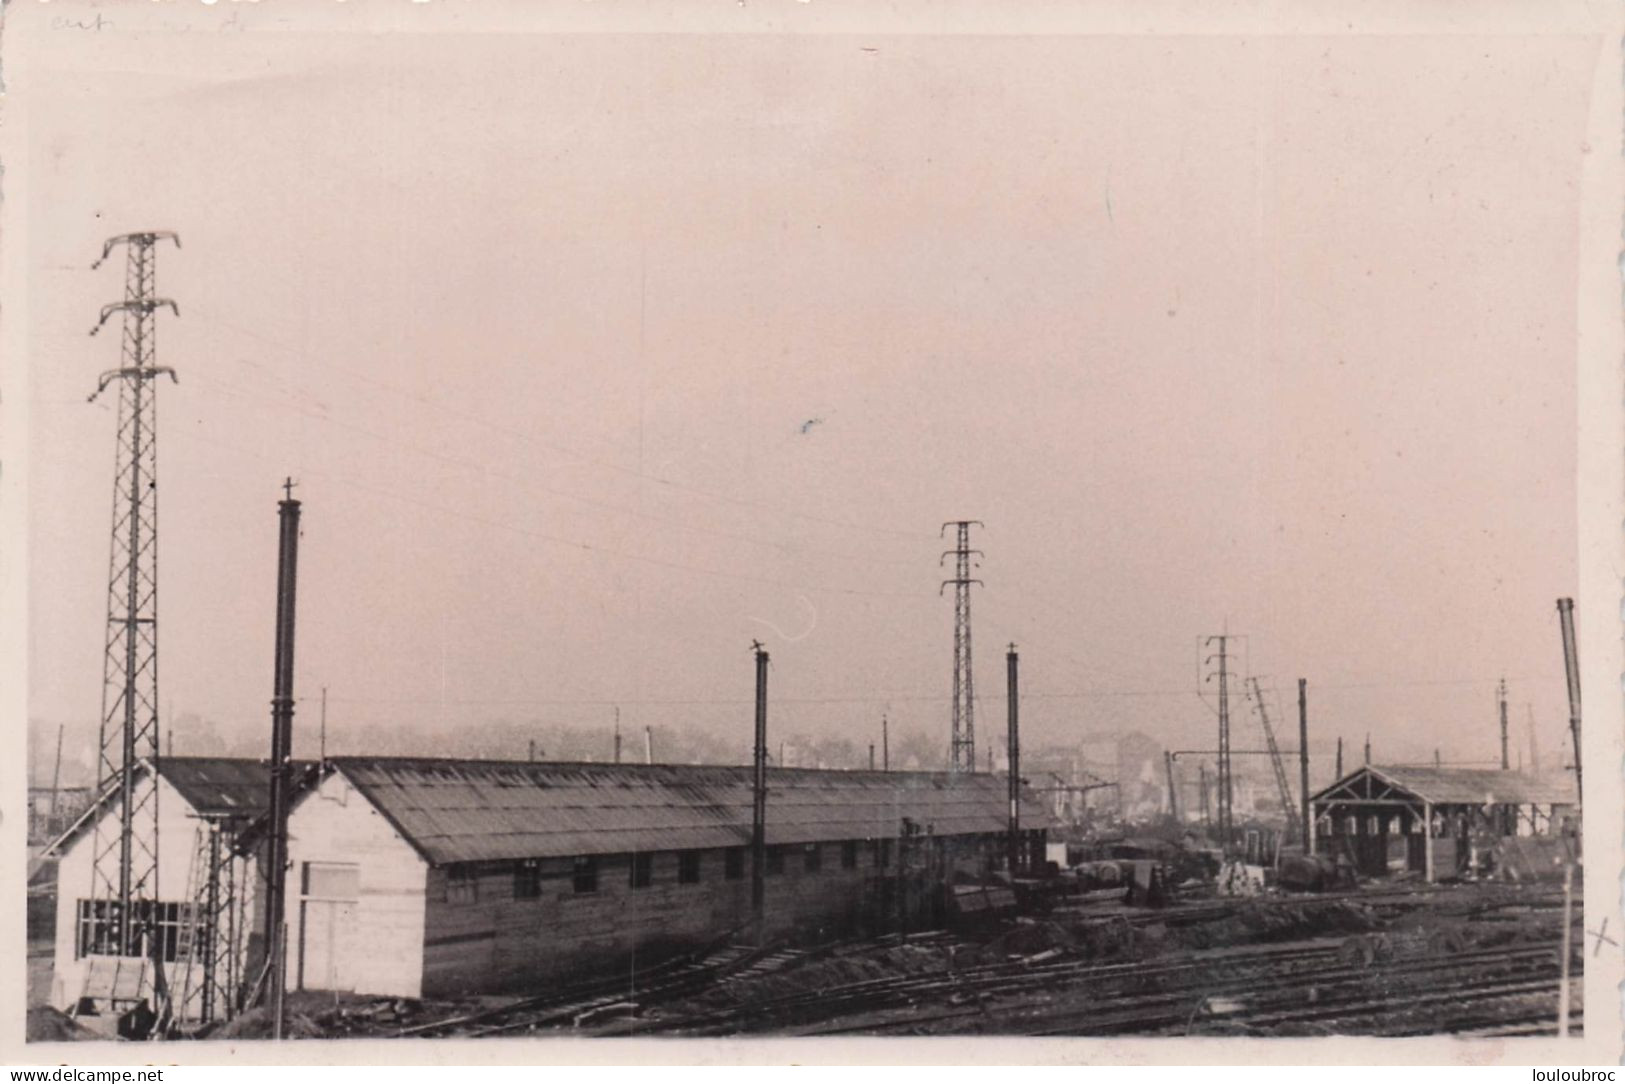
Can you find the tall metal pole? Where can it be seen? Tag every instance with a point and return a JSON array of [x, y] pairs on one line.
[[617, 733], [1225, 779], [871, 756], [1506, 763], [1012, 664], [1571, 665], [281, 757], [962, 740], [758, 815], [648, 745], [1303, 759], [885, 746], [124, 864], [1340, 756]]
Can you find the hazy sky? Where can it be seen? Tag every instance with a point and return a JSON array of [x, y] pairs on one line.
[[596, 357]]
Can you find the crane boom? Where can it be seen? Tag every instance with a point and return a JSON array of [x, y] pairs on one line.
[[1276, 762]]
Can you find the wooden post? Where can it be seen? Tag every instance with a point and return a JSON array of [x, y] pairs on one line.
[[1427, 842]]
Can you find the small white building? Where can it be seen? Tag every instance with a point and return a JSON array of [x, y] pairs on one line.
[[200, 934]]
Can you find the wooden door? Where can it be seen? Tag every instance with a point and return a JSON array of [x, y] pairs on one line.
[[327, 926]]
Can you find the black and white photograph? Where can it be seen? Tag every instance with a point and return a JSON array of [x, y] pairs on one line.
[[1084, 527]]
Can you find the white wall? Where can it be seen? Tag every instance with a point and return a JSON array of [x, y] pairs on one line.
[[378, 948], [178, 832]]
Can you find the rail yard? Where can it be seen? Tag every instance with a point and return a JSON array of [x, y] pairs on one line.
[[1387, 960]]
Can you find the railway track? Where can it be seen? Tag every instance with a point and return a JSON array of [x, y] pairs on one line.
[[1059, 993], [1336, 996]]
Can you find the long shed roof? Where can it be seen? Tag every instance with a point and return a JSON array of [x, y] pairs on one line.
[[473, 810], [1457, 786]]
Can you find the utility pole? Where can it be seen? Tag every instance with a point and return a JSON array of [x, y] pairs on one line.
[[617, 733], [1506, 764], [1571, 666], [962, 743], [281, 756], [124, 862], [1340, 756], [1303, 759], [758, 818], [1225, 780], [1534, 749], [1173, 790], [56, 777], [1012, 664], [1202, 794], [531, 753], [885, 745]]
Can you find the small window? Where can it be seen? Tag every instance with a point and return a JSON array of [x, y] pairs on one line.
[[775, 861], [585, 874], [812, 858], [462, 885], [733, 863], [849, 854], [882, 853], [643, 868], [688, 868], [527, 879]]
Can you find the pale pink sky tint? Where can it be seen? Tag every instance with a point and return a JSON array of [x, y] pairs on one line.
[[1273, 333]]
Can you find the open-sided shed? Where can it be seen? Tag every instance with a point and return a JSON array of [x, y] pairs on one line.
[[1432, 819]]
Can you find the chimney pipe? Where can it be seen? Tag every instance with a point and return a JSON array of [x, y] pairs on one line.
[[1303, 759], [758, 818], [1506, 763], [1012, 662], [281, 756]]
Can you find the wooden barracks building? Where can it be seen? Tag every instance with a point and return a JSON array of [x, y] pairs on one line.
[[425, 877]]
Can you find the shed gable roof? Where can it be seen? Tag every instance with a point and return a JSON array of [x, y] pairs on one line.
[[1450, 786], [470, 810]]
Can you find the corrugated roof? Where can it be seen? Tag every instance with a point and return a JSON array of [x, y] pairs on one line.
[[213, 786], [1471, 786], [222, 786], [469, 810]]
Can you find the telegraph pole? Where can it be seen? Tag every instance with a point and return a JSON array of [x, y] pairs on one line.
[[758, 819], [125, 863], [962, 743], [56, 777], [1506, 764], [617, 733], [885, 745]]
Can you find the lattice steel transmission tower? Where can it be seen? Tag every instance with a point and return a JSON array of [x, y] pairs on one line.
[[1225, 784], [962, 743], [125, 855]]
